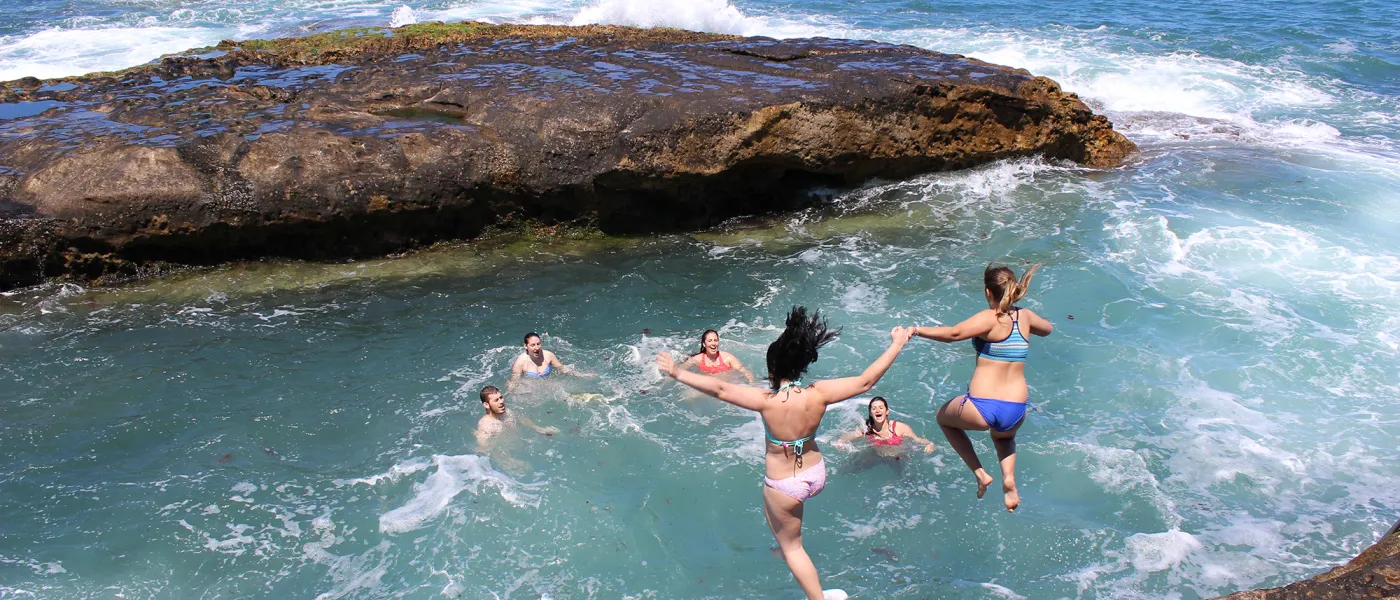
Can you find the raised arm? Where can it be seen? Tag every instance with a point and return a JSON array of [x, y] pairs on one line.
[[738, 366], [978, 324], [837, 390], [739, 395], [1037, 324]]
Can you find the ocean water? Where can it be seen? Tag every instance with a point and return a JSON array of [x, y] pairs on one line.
[[1216, 411]]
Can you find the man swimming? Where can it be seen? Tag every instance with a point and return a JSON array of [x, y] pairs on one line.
[[497, 420]]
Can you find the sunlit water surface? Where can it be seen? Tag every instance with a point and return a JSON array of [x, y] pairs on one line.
[[1216, 411]]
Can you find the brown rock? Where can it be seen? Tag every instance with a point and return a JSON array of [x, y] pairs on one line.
[[367, 142]]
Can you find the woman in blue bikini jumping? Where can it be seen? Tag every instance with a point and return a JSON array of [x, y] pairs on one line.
[[791, 413], [996, 396]]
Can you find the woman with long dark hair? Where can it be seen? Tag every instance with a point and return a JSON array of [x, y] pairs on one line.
[[792, 411], [886, 435], [710, 360], [996, 397]]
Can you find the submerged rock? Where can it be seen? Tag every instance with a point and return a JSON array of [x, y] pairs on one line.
[[364, 142], [1375, 573]]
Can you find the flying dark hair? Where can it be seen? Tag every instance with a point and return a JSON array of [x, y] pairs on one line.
[[487, 391], [528, 336], [870, 421], [702, 341], [796, 349]]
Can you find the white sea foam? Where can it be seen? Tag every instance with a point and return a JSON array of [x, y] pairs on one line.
[[403, 15], [454, 475], [713, 16], [60, 52], [408, 467]]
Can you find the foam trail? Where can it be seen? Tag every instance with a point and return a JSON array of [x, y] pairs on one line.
[[454, 474]]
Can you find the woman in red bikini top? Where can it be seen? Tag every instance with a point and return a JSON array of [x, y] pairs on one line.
[[710, 360], [884, 434]]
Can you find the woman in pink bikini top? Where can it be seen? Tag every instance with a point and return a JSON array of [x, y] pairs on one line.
[[885, 435]]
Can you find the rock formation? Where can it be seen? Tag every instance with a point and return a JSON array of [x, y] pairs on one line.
[[1375, 573], [363, 142]]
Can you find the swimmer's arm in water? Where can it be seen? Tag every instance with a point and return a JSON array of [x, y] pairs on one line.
[[978, 324], [845, 442], [554, 362], [837, 390], [908, 432], [526, 421], [741, 396], [1037, 324], [517, 369], [738, 366]]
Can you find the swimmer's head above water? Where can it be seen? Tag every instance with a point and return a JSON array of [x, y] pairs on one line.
[[533, 346], [876, 414], [796, 348], [493, 401], [709, 342]]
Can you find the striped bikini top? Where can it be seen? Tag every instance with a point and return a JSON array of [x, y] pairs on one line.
[[1012, 349]]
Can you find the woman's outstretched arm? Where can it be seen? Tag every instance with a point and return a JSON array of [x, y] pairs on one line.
[[739, 395], [978, 324], [929, 446], [837, 390], [1038, 324]]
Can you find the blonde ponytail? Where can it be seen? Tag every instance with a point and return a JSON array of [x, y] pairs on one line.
[[1001, 281]]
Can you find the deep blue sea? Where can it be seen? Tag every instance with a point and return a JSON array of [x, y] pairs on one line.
[[1217, 410]]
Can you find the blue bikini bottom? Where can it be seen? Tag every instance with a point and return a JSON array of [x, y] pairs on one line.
[[1000, 415]]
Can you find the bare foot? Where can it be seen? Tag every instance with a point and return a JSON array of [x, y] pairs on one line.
[[983, 480], [1013, 499]]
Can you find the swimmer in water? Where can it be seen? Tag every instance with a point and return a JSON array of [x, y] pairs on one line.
[[536, 362], [996, 397], [497, 420], [885, 435], [791, 413], [710, 360]]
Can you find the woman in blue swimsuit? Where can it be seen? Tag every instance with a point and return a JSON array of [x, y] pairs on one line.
[[996, 396]]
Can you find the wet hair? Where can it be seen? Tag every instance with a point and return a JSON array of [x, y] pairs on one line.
[[702, 341], [488, 391], [528, 336], [869, 420], [1005, 289], [796, 349]]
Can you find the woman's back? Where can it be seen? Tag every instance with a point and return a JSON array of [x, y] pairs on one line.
[[1001, 357]]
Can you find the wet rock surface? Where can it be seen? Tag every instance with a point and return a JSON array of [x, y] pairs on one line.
[[367, 142], [1375, 573]]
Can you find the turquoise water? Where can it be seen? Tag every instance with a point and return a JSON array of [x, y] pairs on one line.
[[1216, 410]]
